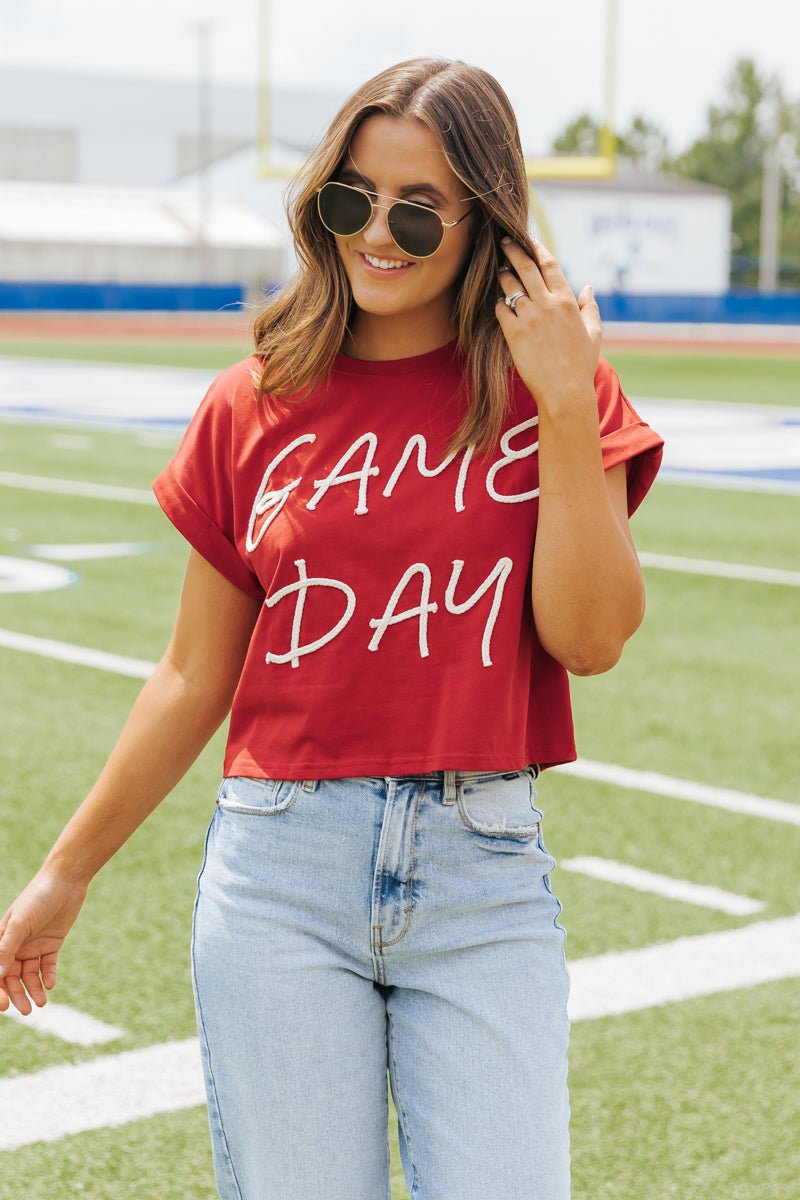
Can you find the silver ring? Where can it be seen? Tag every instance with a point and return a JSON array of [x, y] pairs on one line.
[[511, 300]]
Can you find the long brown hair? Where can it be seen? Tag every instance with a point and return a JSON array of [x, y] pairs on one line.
[[299, 332]]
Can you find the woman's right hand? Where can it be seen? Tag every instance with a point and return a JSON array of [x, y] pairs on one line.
[[32, 932]]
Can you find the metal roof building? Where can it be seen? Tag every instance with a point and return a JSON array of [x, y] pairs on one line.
[[161, 199]]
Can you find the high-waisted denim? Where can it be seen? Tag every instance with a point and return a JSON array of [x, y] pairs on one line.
[[349, 928]]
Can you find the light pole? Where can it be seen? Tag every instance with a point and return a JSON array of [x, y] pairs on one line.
[[204, 149], [769, 231]]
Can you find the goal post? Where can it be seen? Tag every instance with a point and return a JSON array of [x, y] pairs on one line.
[[550, 168]]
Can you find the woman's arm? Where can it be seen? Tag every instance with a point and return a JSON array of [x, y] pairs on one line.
[[587, 588], [180, 707]]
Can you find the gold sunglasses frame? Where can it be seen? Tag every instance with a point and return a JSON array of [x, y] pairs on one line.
[[388, 207]]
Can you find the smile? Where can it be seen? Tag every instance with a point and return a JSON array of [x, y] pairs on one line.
[[384, 266]]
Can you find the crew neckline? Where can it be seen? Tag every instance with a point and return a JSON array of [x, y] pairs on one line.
[[441, 356]]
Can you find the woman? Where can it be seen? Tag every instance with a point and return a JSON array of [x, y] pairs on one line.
[[408, 514]]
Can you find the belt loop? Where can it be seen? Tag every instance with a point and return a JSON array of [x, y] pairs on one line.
[[309, 785], [449, 787]]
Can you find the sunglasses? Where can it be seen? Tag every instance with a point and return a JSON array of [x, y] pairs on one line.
[[415, 229]]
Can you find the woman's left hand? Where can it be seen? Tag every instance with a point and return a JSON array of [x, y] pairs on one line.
[[554, 339]]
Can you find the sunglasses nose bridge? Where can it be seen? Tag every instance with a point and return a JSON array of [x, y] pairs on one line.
[[377, 230]]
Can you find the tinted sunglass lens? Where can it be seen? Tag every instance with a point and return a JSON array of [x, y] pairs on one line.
[[343, 210], [416, 231]]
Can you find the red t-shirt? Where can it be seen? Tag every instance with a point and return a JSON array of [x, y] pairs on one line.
[[396, 635]]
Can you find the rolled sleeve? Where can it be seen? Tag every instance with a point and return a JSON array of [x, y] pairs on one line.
[[625, 437], [196, 488]]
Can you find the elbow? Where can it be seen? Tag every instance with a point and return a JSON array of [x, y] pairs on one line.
[[593, 644], [586, 660], [209, 696], [594, 655]]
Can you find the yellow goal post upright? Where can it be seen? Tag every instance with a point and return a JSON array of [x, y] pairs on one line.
[[554, 167]]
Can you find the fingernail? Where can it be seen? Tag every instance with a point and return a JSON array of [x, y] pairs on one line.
[[2, 970], [503, 240]]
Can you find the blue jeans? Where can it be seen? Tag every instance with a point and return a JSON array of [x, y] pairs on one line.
[[346, 928]]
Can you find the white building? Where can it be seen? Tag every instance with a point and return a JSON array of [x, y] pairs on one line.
[[66, 232], [639, 233], [136, 144]]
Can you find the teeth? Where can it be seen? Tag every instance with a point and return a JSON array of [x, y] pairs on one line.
[[384, 262]]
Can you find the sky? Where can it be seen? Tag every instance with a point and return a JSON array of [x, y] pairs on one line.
[[672, 59]]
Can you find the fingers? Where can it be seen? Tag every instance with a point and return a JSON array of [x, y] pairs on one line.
[[521, 273], [546, 277], [510, 284], [49, 962], [30, 977], [506, 317], [26, 972], [16, 994], [3, 965], [590, 314]]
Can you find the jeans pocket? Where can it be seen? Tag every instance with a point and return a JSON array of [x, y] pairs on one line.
[[257, 797], [500, 805]]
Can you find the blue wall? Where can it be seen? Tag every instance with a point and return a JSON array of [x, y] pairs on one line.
[[742, 306], [127, 297], [746, 306]]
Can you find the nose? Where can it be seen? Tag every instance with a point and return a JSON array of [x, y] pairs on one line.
[[377, 234]]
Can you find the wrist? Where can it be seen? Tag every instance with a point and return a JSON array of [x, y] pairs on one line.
[[573, 399], [570, 416], [65, 868]]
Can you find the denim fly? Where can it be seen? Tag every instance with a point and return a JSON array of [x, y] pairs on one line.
[[358, 934]]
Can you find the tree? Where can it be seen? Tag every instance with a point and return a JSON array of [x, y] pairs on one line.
[[644, 143], [730, 154]]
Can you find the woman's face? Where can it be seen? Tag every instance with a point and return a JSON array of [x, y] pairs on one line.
[[386, 155]]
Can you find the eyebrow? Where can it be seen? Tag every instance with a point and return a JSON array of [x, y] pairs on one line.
[[349, 173]]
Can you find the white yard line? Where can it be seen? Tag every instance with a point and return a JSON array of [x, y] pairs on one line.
[[703, 895], [728, 483], [87, 551], [71, 441], [700, 965], [666, 562], [101, 660], [625, 777], [68, 1024], [726, 570], [685, 789], [738, 333], [106, 1092], [77, 487], [25, 575], [114, 1089]]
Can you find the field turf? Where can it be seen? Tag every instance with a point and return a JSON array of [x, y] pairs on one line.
[[696, 1099]]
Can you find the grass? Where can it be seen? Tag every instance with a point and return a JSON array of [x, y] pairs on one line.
[[209, 353], [691, 1100], [734, 377]]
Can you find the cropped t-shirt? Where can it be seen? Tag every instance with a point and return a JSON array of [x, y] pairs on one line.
[[396, 634]]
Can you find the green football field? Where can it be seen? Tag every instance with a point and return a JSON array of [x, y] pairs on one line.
[[694, 1097]]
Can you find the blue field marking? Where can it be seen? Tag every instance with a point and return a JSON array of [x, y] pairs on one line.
[[57, 416], [759, 480], [746, 447], [741, 446], [787, 474]]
